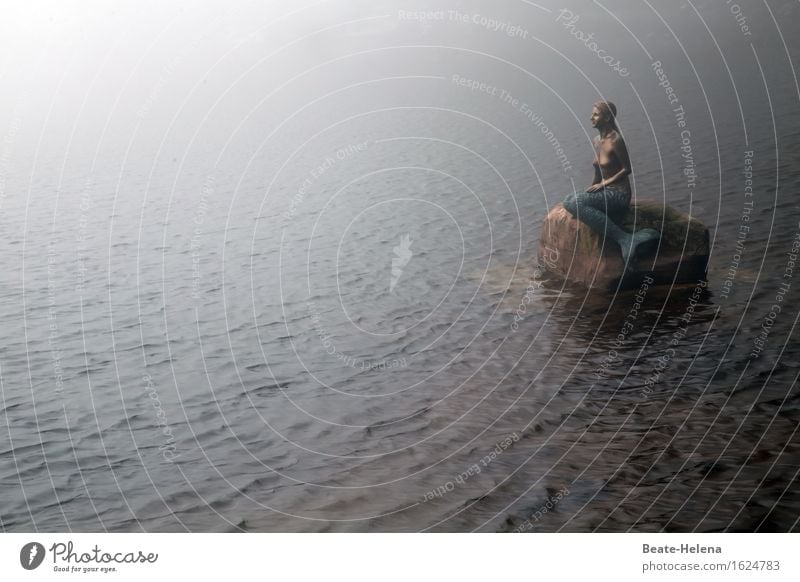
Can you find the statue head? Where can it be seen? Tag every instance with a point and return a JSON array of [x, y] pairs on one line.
[[604, 113]]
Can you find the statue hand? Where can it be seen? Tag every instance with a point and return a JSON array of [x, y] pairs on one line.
[[595, 187]]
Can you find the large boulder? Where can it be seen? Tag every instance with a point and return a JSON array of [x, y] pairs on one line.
[[572, 251]]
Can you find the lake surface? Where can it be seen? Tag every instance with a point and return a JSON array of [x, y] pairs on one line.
[[275, 271]]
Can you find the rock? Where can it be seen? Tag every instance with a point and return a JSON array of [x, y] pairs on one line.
[[572, 251]]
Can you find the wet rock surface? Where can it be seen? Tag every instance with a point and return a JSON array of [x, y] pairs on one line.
[[572, 251]]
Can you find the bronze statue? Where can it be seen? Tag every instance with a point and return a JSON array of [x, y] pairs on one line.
[[606, 201]]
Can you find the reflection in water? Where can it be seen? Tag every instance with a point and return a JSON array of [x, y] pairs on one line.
[[656, 433]]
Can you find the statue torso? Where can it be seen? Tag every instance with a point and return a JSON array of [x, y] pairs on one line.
[[606, 161]]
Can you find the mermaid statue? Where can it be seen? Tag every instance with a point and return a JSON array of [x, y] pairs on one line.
[[606, 201]]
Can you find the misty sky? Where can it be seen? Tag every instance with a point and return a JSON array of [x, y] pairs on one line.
[[74, 73]]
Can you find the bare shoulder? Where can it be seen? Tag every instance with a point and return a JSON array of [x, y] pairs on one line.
[[616, 140]]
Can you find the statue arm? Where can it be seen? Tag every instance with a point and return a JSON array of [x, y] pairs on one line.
[[598, 177]]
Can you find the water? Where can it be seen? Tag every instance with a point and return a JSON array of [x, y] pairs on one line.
[[261, 296]]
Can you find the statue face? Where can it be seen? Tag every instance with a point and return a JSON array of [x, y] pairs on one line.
[[597, 117]]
